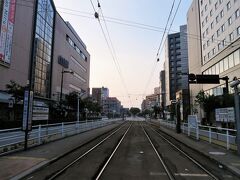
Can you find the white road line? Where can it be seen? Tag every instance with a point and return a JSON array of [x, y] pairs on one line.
[[191, 175]]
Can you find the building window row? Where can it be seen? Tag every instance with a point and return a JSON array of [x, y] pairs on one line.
[[220, 45], [70, 41], [225, 64], [220, 15]]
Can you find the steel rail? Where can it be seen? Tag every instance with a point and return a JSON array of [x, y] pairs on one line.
[[58, 173], [114, 151], [171, 177], [186, 155]]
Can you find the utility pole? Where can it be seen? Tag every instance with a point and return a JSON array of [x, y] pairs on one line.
[[234, 85]]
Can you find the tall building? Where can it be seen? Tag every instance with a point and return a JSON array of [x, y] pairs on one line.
[[176, 68], [220, 32], [151, 100], [112, 107], [194, 53], [100, 94], [38, 48], [162, 89]]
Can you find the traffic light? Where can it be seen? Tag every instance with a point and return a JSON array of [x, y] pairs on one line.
[[191, 78]]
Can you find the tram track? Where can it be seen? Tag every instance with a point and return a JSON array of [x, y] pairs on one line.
[[205, 165], [62, 164]]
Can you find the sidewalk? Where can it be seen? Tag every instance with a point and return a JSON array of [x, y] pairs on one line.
[[229, 159], [19, 164]]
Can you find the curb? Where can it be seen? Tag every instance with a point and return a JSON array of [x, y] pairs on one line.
[[230, 168], [47, 162]]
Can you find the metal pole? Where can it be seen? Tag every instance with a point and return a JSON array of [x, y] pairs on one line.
[[61, 87], [226, 80], [237, 116], [78, 110]]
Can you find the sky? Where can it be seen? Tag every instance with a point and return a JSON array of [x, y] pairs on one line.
[[131, 71]]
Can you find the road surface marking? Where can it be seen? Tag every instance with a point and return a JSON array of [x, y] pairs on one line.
[[192, 175], [158, 174], [24, 158], [217, 153]]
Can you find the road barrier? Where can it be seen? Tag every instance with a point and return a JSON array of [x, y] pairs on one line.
[[221, 136], [13, 139]]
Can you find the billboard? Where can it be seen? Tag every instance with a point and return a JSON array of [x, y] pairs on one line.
[[225, 114], [6, 29]]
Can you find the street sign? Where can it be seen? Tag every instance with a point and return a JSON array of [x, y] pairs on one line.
[[225, 114], [207, 79], [203, 79], [192, 121], [27, 110]]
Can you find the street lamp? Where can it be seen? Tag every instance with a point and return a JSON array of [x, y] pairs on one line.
[[63, 72], [79, 96]]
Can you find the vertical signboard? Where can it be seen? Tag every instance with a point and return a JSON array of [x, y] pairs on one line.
[[6, 29], [27, 110], [8, 47]]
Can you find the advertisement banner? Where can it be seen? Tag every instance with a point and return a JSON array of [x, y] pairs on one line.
[[6, 29], [8, 47], [4, 24]]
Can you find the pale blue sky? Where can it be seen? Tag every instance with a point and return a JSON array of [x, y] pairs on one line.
[[135, 48]]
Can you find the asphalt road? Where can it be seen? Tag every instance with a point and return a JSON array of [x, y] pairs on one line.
[[134, 151]]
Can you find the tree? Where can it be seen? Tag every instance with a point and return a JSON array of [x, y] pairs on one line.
[[156, 110], [134, 111], [16, 90], [210, 102]]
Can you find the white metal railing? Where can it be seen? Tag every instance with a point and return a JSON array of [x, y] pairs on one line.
[[12, 139], [211, 133]]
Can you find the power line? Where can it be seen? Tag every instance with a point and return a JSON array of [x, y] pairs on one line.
[[110, 47], [134, 24], [160, 45]]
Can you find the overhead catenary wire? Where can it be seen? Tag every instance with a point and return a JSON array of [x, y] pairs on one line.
[[114, 51], [110, 46], [132, 23], [160, 45]]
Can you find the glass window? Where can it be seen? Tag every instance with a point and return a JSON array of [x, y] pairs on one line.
[[238, 30], [230, 60], [208, 43], [222, 13], [217, 18], [221, 66], [229, 21], [213, 69], [219, 46], [226, 64], [211, 12], [213, 51], [228, 5], [223, 27], [213, 37], [217, 68], [212, 24], [236, 57], [231, 36], [216, 5], [223, 42], [218, 32], [237, 13]]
